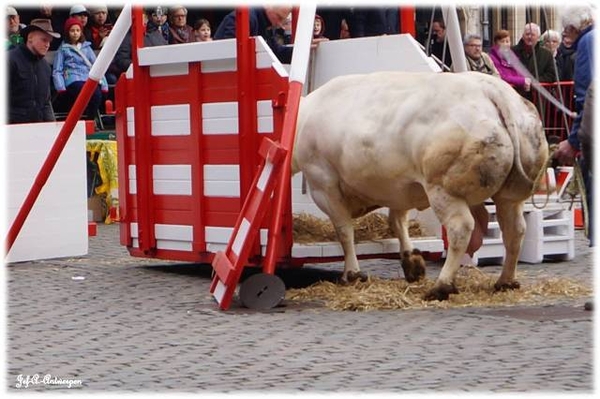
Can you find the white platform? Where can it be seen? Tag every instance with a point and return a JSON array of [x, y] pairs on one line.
[[57, 224], [550, 232]]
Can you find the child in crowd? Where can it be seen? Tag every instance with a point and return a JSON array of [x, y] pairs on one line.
[[71, 67], [157, 27], [318, 27], [98, 29], [202, 30]]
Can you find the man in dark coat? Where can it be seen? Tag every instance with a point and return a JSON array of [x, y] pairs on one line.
[[30, 75], [264, 21], [367, 21], [537, 59], [439, 45]]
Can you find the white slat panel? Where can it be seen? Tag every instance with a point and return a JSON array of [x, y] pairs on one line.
[[222, 181], [227, 189], [170, 112], [170, 120], [305, 251], [174, 232], [169, 69], [222, 173], [215, 247], [130, 122], [171, 187], [220, 126], [133, 227], [263, 60], [172, 172], [220, 110], [174, 245], [132, 186], [264, 111], [264, 108], [217, 235], [132, 179], [171, 128], [265, 124], [220, 118], [224, 65], [187, 52]]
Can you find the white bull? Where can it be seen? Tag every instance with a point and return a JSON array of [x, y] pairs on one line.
[[414, 140]]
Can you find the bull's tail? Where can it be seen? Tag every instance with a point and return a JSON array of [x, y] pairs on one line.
[[519, 182]]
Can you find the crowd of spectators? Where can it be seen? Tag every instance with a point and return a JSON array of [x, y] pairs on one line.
[[548, 57]]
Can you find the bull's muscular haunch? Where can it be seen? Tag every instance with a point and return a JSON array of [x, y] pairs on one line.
[[414, 140]]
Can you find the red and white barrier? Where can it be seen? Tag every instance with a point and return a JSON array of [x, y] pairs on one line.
[[199, 165]]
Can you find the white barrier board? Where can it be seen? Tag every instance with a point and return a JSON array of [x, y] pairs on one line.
[[368, 54], [57, 224]]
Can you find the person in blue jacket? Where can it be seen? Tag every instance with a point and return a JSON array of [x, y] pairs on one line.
[[71, 68], [264, 21], [578, 23]]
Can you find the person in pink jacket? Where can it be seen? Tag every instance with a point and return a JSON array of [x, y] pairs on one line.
[[507, 71]]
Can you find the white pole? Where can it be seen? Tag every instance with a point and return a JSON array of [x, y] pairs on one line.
[[459, 61], [302, 41], [108, 51]]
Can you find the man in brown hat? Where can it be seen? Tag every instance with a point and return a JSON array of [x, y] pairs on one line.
[[30, 76]]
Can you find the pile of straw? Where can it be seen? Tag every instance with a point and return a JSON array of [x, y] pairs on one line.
[[476, 289], [373, 226]]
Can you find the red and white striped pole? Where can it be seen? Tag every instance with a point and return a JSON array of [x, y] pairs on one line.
[[300, 58], [96, 73]]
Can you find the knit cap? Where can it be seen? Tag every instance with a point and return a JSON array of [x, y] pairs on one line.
[[70, 22]]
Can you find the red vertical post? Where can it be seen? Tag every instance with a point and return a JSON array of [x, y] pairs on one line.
[[247, 124], [295, 13], [143, 142], [407, 20], [247, 112]]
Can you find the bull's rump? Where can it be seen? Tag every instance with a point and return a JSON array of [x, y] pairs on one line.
[[384, 133]]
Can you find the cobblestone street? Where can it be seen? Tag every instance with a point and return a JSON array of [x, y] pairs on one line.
[[123, 324]]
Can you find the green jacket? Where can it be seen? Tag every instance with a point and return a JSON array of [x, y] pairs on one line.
[[543, 58], [13, 40]]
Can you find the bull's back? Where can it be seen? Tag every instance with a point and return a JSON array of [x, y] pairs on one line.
[[392, 129]]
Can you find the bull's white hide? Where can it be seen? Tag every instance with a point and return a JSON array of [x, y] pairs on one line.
[[57, 224]]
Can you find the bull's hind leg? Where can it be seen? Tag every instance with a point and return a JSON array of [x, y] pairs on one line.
[[330, 201], [454, 214], [512, 224], [411, 259]]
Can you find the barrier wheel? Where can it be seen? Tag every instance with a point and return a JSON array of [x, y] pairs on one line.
[[262, 291]]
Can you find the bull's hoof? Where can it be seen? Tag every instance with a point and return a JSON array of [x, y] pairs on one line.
[[441, 292], [413, 265], [510, 285], [351, 277]]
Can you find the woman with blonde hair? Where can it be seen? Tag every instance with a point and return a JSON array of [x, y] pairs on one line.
[[551, 40]]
